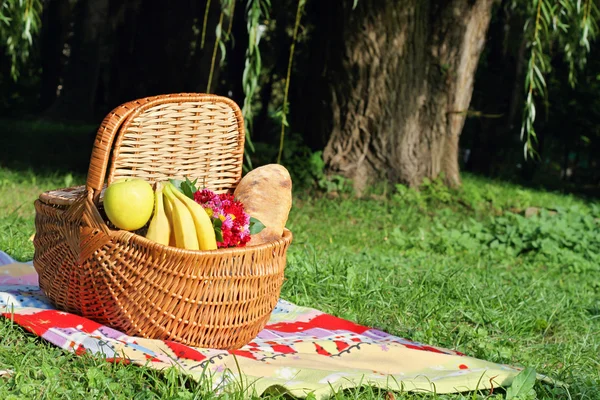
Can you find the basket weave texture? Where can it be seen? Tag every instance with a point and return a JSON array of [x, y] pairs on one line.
[[219, 298]]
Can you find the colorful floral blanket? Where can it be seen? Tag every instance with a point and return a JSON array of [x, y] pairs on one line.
[[301, 350]]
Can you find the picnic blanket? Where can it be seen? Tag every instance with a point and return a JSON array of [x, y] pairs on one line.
[[300, 351]]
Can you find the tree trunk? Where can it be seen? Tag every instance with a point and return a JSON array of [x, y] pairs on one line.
[[401, 77]]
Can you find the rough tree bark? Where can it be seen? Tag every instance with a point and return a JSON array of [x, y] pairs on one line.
[[401, 77]]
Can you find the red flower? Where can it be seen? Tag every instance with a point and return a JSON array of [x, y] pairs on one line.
[[234, 220], [235, 208]]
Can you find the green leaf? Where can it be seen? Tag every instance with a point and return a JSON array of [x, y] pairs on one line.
[[95, 376], [50, 371], [218, 234], [522, 386], [176, 182], [217, 226], [255, 226], [223, 52], [189, 188]]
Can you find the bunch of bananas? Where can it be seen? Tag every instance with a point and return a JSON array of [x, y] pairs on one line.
[[179, 221]]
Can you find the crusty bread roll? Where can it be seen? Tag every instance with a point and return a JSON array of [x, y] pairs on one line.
[[266, 193]]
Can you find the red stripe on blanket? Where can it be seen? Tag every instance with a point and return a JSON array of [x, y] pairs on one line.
[[323, 321], [183, 351], [40, 322]]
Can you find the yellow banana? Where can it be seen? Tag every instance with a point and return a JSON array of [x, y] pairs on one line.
[[202, 222], [183, 223], [159, 229], [169, 212]]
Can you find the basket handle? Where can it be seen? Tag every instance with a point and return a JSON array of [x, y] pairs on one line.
[[108, 132], [104, 142]]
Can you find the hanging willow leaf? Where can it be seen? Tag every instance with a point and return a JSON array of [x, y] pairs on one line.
[[571, 25], [205, 22], [19, 23], [285, 107], [256, 11], [221, 37]]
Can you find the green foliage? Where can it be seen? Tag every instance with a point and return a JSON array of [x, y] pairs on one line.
[[255, 226], [554, 29], [18, 190], [431, 191], [19, 23], [222, 36], [435, 190], [186, 186], [565, 238], [327, 183], [256, 11], [219, 43], [284, 108], [565, 24], [569, 240], [522, 386], [307, 169]]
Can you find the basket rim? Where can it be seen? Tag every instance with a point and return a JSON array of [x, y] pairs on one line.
[[120, 234], [286, 238]]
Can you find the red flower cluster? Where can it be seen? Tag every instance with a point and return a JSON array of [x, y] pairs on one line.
[[234, 226]]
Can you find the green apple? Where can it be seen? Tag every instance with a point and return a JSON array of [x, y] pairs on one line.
[[128, 203]]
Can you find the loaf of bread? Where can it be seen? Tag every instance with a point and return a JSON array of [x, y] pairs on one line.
[[266, 193]]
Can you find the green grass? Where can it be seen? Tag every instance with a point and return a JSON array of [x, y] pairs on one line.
[[18, 191], [458, 269]]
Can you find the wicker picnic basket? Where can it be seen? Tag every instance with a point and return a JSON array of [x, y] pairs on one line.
[[218, 299]]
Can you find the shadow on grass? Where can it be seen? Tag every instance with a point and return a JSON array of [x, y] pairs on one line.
[[44, 146]]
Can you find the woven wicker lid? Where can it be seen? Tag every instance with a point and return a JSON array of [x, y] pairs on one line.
[[191, 135]]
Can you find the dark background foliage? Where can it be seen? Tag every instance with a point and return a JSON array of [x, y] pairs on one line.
[[92, 55]]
